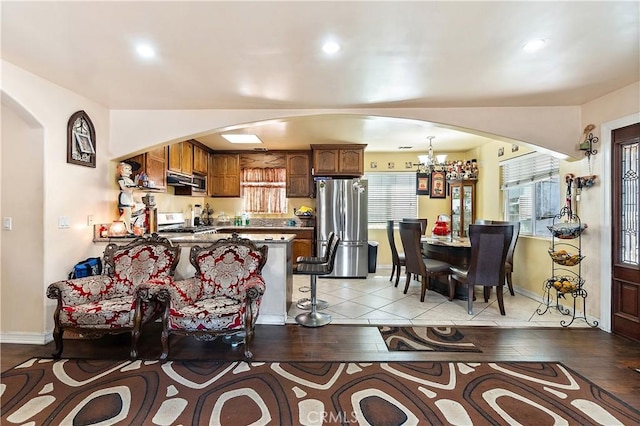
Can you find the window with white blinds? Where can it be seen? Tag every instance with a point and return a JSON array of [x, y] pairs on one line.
[[392, 196], [528, 168], [531, 192]]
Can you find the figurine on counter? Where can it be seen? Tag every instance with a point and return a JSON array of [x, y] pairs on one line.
[[129, 209]]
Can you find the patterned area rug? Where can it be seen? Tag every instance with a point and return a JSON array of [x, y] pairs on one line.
[[47, 392], [435, 339]]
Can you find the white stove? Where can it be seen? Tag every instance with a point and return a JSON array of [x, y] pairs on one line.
[[176, 223]]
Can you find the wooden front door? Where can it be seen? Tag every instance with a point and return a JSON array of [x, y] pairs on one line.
[[625, 222]]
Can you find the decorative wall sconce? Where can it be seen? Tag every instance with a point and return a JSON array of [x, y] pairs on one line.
[[589, 141]]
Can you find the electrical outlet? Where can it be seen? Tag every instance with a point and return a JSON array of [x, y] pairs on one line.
[[7, 223]]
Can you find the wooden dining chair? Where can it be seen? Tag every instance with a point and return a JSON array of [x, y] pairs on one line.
[[416, 263], [397, 258], [512, 248], [489, 247]]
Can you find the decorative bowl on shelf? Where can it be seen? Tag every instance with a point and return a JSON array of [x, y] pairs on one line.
[[567, 230], [562, 257]]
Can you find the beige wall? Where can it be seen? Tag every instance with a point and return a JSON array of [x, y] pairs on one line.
[[22, 265], [77, 191], [66, 190]]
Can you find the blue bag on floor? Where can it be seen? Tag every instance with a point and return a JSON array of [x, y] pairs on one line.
[[86, 268]]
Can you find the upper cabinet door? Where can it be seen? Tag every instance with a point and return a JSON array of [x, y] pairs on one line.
[[352, 161], [187, 158], [325, 161], [174, 163], [298, 175], [338, 160], [200, 160], [181, 158], [224, 175]]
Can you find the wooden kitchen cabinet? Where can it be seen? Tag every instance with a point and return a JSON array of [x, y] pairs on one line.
[[200, 160], [338, 160], [302, 244], [154, 164], [181, 158], [224, 175], [298, 175]]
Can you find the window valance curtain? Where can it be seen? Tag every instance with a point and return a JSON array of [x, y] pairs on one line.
[[264, 190]]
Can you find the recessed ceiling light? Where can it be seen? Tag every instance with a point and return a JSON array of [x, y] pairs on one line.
[[145, 51], [241, 138], [330, 47], [534, 45]]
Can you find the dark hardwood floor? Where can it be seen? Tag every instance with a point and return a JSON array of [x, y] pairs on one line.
[[603, 358]]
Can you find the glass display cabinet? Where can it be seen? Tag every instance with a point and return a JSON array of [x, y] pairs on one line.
[[463, 206]]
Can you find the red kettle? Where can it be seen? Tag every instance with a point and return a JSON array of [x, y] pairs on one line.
[[441, 228]]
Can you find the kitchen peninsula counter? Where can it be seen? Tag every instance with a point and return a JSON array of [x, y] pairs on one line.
[[277, 272]]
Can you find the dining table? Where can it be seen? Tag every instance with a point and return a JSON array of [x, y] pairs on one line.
[[454, 251]]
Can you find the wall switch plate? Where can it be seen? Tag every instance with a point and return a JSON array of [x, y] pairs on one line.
[[90, 220], [63, 222], [7, 223]]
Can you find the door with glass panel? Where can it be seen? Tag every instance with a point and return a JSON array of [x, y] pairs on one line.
[[625, 169]]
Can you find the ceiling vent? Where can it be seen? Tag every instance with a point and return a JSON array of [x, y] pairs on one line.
[[261, 148], [405, 147]]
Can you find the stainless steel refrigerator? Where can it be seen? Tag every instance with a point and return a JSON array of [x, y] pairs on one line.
[[341, 207]]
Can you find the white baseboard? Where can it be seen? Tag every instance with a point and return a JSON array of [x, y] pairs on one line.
[[26, 338], [271, 319]]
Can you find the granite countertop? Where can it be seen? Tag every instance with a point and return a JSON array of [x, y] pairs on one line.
[[280, 228], [189, 238], [274, 238]]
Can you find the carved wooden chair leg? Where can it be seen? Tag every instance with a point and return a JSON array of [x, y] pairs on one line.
[[393, 270], [248, 355], [135, 333], [57, 337]]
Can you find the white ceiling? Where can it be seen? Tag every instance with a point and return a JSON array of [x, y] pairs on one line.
[[267, 55]]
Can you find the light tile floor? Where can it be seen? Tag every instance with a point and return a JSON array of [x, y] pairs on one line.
[[375, 301]]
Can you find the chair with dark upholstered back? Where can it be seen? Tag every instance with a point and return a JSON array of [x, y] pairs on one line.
[[416, 263], [512, 248], [315, 318], [107, 303], [423, 223], [489, 247], [305, 302], [396, 257]]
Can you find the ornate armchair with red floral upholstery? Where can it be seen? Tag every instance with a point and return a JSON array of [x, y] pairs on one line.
[[106, 304], [222, 299]]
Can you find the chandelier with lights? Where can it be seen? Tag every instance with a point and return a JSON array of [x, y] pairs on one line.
[[429, 163]]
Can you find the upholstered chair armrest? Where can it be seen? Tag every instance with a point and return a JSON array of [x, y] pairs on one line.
[[180, 293], [149, 290], [254, 287], [79, 291]]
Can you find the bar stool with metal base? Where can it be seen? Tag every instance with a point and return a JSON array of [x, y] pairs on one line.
[[315, 318], [305, 302]]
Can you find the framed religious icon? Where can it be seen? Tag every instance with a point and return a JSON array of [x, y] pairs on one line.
[[438, 183], [422, 183], [81, 140]]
